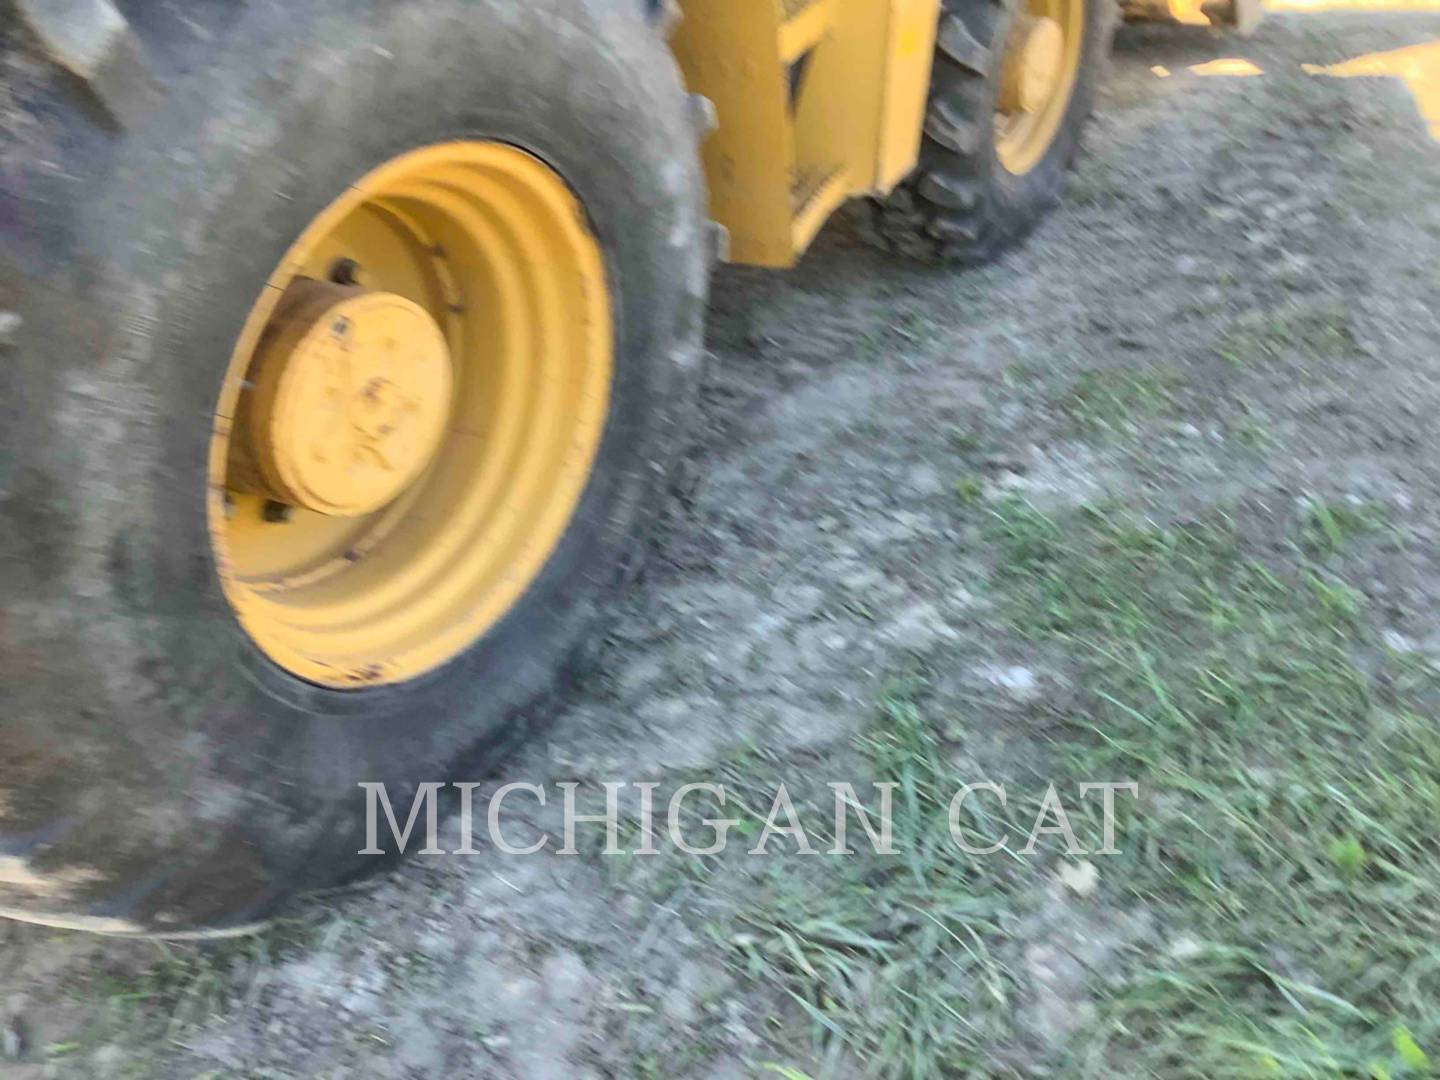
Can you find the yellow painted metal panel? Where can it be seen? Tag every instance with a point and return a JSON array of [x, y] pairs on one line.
[[806, 22], [816, 198], [837, 110], [911, 58], [729, 51], [863, 102], [817, 100]]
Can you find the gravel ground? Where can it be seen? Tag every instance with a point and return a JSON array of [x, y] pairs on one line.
[[1236, 308]]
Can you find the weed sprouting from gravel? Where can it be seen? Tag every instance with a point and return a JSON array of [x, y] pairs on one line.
[[1329, 527], [1303, 332], [1114, 401], [188, 984]]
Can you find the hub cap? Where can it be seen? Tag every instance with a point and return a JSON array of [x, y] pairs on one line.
[[1037, 80], [1033, 65], [351, 398]]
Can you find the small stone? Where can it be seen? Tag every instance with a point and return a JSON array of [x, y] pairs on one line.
[[567, 979], [1019, 682], [800, 601], [680, 1004], [918, 628], [1058, 1007], [10, 324], [108, 1061], [419, 1049], [863, 580], [1186, 947], [765, 626], [924, 479], [1081, 878], [962, 597], [1397, 642], [641, 673]]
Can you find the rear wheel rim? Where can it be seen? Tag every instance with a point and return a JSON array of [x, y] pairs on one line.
[[1039, 73], [388, 567]]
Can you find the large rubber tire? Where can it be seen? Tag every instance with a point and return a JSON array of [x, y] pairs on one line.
[[962, 204], [157, 773]]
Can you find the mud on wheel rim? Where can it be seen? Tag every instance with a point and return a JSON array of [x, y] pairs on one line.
[[410, 415]]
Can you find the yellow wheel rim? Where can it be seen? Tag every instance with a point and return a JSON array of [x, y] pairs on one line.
[[411, 415], [1037, 80]]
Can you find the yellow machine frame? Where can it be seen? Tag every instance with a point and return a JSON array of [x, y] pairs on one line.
[[810, 112]]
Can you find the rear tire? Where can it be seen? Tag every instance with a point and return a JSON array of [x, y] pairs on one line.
[[962, 204], [159, 774]]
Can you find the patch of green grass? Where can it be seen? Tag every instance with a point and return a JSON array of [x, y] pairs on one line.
[[186, 986], [869, 346], [1252, 435], [1337, 598], [1306, 332], [962, 441], [868, 431], [1290, 780], [749, 774], [687, 1058], [1115, 400], [885, 962], [969, 490], [906, 326], [1328, 527], [1283, 838], [890, 959], [783, 1071]]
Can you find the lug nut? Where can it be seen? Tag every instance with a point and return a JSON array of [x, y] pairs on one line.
[[345, 272], [277, 513]]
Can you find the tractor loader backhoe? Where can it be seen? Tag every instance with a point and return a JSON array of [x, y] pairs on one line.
[[345, 351]]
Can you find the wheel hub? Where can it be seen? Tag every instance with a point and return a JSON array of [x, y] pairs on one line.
[[1034, 64], [351, 398]]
